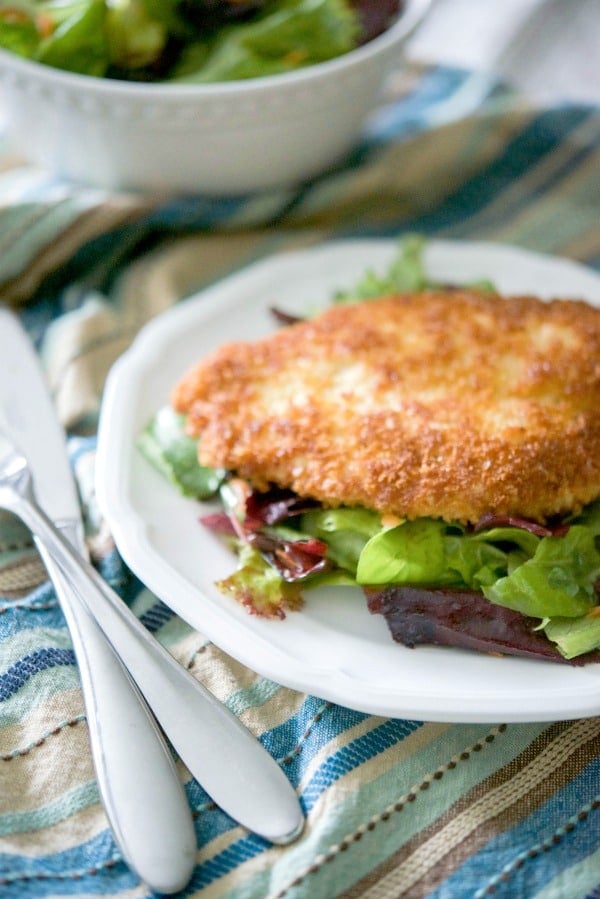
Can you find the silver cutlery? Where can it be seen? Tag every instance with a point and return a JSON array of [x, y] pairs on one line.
[[139, 787], [227, 760]]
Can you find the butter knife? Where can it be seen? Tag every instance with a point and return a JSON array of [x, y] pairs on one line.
[[137, 780], [234, 768]]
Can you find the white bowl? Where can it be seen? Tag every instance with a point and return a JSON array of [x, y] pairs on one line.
[[226, 139]]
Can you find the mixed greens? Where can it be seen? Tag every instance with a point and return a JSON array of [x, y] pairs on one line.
[[196, 41], [503, 585]]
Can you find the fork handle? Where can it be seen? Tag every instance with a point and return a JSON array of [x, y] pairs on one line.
[[141, 792], [226, 759]]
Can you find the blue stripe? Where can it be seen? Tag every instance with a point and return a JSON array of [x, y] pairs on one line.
[[576, 159], [18, 618], [98, 262], [40, 594], [284, 741], [541, 868], [67, 873], [210, 820], [540, 138], [157, 615], [43, 659], [355, 754], [33, 613], [119, 577], [594, 262], [77, 882], [81, 446], [290, 741], [113, 571], [346, 759], [219, 865], [400, 118]]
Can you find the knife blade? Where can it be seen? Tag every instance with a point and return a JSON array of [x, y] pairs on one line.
[[232, 765], [137, 780]]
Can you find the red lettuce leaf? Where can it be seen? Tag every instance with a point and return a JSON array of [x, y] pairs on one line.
[[275, 505], [294, 559], [219, 522], [489, 521], [452, 617], [285, 318]]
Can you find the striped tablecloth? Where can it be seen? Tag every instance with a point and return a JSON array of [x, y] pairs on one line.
[[394, 807]]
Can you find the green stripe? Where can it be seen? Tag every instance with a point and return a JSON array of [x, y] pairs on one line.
[[373, 798], [250, 697], [260, 209], [175, 631], [481, 136], [32, 228], [509, 204], [65, 806], [44, 686], [41, 738], [143, 601], [336, 821], [560, 218], [576, 882]]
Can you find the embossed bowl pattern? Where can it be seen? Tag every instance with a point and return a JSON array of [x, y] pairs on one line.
[[226, 139]]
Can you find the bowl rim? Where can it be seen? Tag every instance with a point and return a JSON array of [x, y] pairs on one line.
[[407, 21]]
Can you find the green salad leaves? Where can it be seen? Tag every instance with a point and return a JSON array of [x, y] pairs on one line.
[[549, 574], [165, 444], [193, 41]]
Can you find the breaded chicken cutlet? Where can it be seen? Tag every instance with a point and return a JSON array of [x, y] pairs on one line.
[[450, 404]]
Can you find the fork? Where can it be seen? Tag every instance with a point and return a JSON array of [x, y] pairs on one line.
[[224, 757]]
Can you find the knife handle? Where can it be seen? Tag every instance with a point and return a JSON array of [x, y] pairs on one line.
[[226, 759], [140, 789]]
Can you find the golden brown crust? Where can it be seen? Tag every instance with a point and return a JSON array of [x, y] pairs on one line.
[[447, 404]]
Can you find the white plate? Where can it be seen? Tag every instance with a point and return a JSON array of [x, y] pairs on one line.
[[333, 648]]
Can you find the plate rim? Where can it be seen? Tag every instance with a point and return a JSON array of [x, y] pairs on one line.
[[129, 531]]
